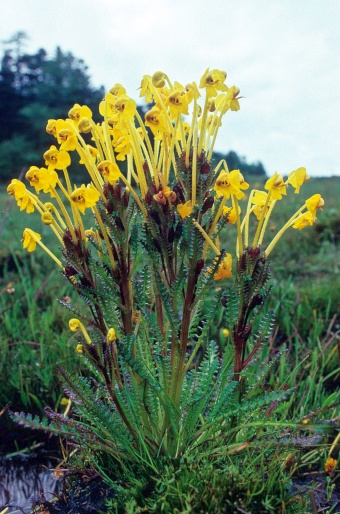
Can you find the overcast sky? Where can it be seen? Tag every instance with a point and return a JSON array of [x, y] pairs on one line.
[[284, 55]]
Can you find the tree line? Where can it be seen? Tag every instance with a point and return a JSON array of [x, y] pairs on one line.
[[34, 88]]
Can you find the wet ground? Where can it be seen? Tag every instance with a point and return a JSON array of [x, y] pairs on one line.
[[22, 479], [26, 460], [27, 480]]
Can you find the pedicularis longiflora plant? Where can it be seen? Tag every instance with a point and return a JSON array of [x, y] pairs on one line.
[[147, 265]]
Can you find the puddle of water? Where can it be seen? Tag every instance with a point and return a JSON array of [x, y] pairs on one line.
[[21, 479]]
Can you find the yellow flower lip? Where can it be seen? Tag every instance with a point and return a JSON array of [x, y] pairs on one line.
[[297, 177], [79, 111], [109, 170], [32, 174], [85, 197], [16, 188], [276, 186], [185, 209], [224, 270], [304, 220], [64, 134], [230, 183], [30, 239], [315, 202], [51, 127], [118, 90]]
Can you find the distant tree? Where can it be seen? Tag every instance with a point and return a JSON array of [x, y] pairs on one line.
[[34, 88], [235, 162]]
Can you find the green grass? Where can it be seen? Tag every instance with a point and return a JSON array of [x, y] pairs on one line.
[[34, 335]]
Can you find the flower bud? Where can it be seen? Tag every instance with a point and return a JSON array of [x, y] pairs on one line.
[[47, 218], [49, 206], [158, 79], [74, 325], [84, 125], [209, 202]]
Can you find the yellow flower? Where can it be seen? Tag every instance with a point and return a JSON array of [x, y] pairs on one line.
[[80, 348], [30, 239], [233, 95], [67, 139], [155, 120], [184, 209], [85, 197], [107, 106], [51, 127], [111, 335], [58, 159], [118, 90], [230, 183], [213, 81], [125, 107], [304, 220], [193, 89], [25, 203], [228, 100], [297, 177], [64, 133], [230, 212], [225, 332], [330, 464], [110, 171], [313, 203], [260, 200], [19, 191], [42, 178], [74, 325], [79, 111], [16, 188], [178, 101], [224, 270], [122, 147], [277, 186], [146, 88]]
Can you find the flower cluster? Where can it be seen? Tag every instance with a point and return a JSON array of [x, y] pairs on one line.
[[167, 162]]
